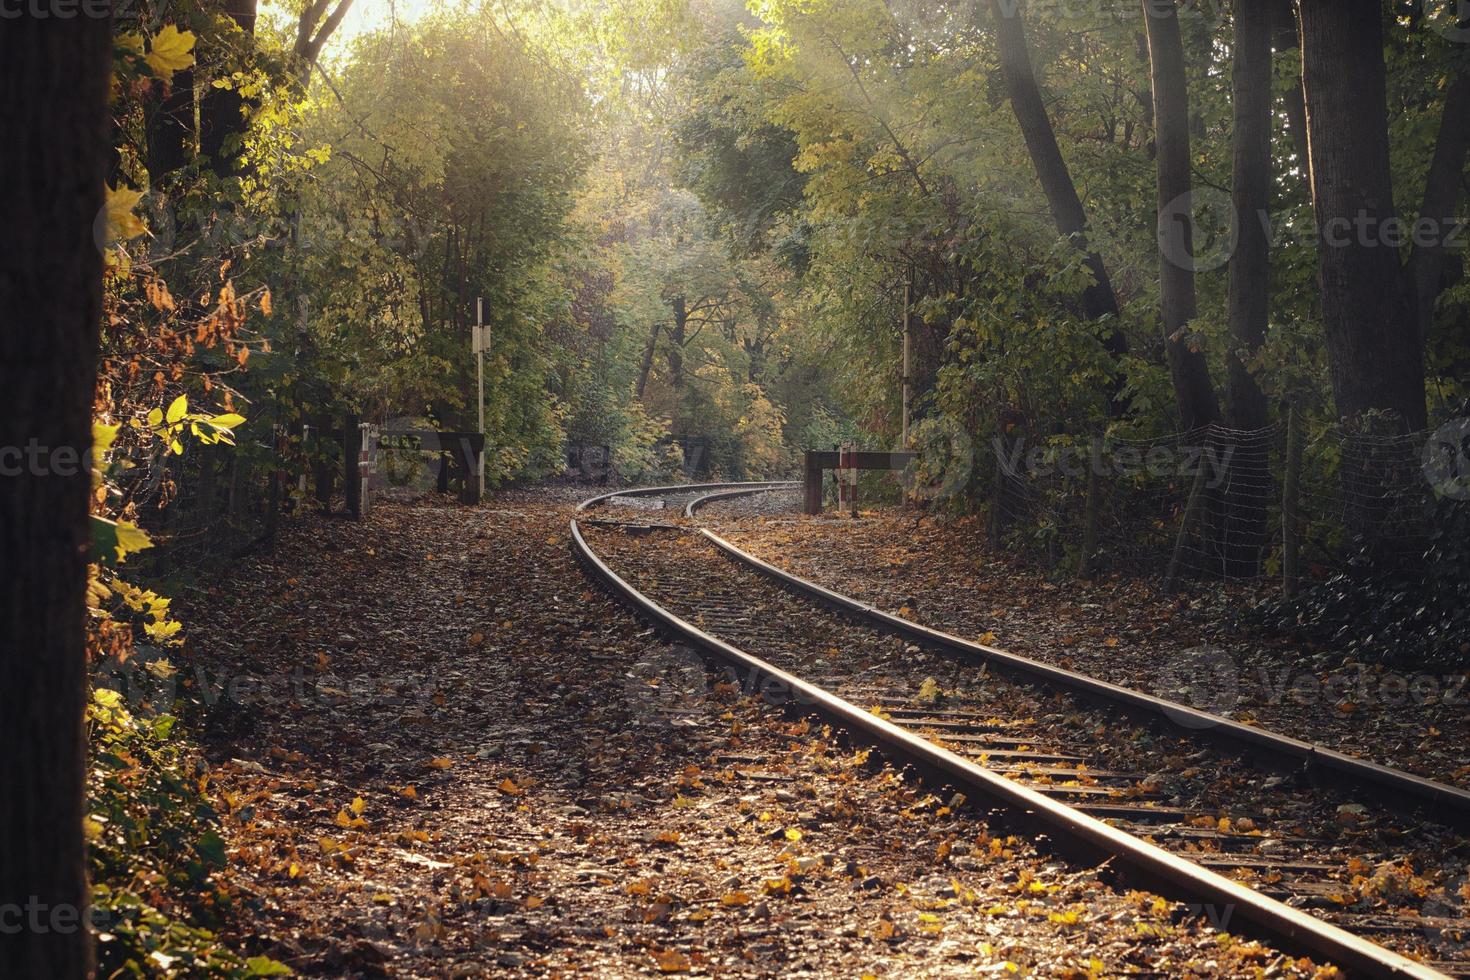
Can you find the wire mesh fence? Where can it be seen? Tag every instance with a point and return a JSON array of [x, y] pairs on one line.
[[1297, 499]]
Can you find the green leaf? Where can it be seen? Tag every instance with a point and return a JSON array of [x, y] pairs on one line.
[[178, 409], [264, 966]]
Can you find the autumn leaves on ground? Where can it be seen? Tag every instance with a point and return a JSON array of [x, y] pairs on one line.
[[439, 751]]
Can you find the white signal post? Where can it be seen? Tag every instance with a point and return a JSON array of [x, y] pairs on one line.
[[481, 342], [908, 298]]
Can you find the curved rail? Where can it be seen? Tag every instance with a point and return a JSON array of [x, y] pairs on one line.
[[1441, 801], [1073, 831]]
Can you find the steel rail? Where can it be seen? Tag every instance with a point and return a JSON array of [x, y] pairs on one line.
[[1440, 801], [1070, 829]]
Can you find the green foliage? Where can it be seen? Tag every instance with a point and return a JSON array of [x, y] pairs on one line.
[[154, 852]]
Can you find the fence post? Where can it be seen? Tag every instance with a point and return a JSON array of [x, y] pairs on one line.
[[273, 491], [1290, 499], [1191, 511], [351, 460], [1090, 507], [367, 466], [811, 482]]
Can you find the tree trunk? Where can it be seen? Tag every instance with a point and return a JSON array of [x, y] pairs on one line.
[[646, 367], [222, 110], [1192, 388], [1441, 199], [1373, 349], [1250, 266], [675, 352], [55, 77], [170, 128], [1287, 37], [1098, 300]]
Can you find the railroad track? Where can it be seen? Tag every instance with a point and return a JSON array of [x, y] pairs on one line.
[[1261, 834]]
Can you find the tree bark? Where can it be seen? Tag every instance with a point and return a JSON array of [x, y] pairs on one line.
[[1374, 352], [1286, 36], [54, 74], [1441, 199], [1250, 266], [1192, 387], [1099, 299], [222, 110], [646, 367], [1250, 271], [675, 352], [170, 128]]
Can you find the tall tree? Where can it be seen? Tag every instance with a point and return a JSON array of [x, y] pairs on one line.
[[1099, 299], [319, 20], [1192, 387], [54, 74], [170, 126], [1287, 37], [1375, 353], [222, 110], [1441, 199], [1250, 266], [1250, 270]]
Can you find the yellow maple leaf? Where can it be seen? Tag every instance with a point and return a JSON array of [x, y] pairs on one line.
[[173, 50], [122, 223]]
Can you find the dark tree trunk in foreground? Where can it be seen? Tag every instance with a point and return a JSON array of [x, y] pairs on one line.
[[1373, 346], [1441, 199], [1098, 300], [1192, 388], [53, 114]]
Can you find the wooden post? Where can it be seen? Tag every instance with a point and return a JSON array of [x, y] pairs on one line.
[[351, 457], [1090, 512], [1290, 500], [273, 491], [811, 481], [472, 449], [908, 388], [446, 460], [1191, 511]]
